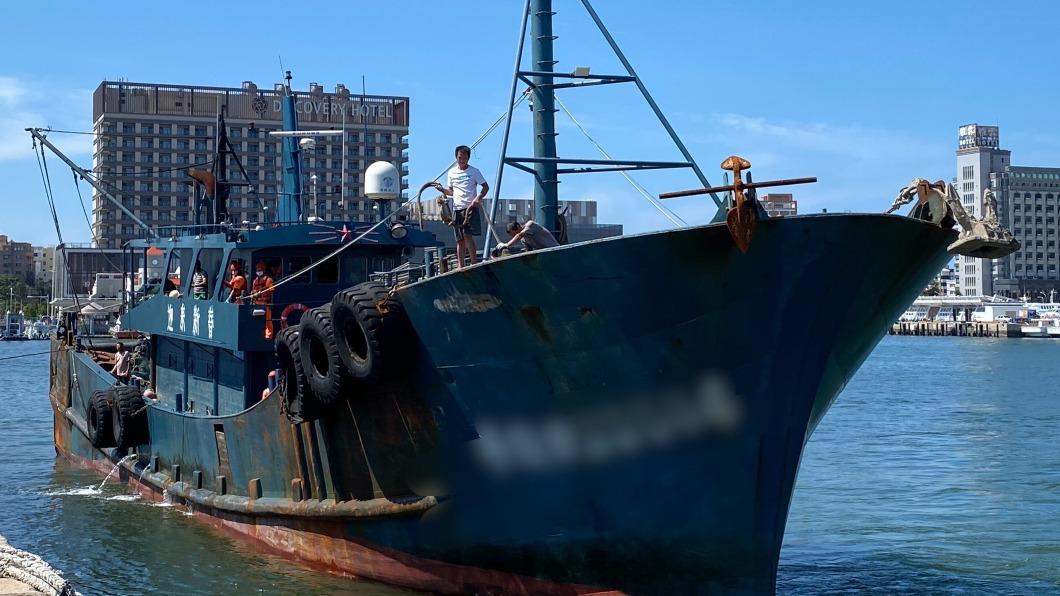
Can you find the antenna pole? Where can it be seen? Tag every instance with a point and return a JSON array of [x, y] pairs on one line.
[[507, 131], [36, 132]]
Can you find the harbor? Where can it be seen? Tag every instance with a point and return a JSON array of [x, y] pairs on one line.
[[270, 332], [980, 518]]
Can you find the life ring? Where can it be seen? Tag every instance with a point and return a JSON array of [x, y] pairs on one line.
[[290, 308]]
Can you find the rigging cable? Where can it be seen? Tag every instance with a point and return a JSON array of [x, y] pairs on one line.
[[673, 217], [42, 164], [401, 207], [482, 137], [91, 230]]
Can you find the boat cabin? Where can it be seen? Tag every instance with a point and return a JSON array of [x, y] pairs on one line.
[[211, 353]]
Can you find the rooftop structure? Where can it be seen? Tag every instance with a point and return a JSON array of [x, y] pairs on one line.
[[149, 134]]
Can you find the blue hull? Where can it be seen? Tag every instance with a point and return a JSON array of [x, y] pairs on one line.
[[627, 413]]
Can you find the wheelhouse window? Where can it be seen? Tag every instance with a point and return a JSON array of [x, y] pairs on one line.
[[328, 271], [295, 264], [208, 262], [178, 259]]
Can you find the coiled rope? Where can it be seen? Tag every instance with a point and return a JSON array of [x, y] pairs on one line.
[[33, 571]]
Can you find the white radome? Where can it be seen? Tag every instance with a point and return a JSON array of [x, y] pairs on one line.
[[382, 181]]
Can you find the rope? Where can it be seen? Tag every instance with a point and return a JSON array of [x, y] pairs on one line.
[[400, 208], [333, 253], [28, 355], [482, 137], [91, 230], [42, 164], [33, 571], [673, 217]]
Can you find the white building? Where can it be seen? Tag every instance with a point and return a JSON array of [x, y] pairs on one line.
[[978, 156]]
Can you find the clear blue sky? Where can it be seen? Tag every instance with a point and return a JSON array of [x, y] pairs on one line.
[[863, 95]]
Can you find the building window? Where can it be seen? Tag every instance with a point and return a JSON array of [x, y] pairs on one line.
[[200, 131], [968, 172], [969, 199], [183, 130]]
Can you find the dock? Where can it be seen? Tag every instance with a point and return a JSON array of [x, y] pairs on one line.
[[958, 328]]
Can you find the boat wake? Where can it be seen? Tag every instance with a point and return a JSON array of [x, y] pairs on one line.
[[84, 491]]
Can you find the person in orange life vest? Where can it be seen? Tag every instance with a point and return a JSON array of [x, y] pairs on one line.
[[237, 283], [261, 293], [261, 290]]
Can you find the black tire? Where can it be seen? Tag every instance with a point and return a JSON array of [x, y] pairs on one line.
[[299, 404], [128, 417], [369, 343], [98, 420], [324, 372]]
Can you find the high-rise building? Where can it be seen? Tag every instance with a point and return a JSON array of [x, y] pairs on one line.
[[1029, 205], [148, 135], [779, 204], [978, 156], [16, 258], [43, 262]]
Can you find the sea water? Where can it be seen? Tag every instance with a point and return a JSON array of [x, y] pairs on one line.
[[936, 471]]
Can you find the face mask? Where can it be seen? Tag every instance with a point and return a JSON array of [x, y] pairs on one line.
[[259, 273]]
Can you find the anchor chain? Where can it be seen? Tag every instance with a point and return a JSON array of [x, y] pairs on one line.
[[939, 203]]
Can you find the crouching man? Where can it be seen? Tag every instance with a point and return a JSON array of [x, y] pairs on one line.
[[528, 236]]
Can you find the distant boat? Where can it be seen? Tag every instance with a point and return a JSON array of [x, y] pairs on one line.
[[13, 327]]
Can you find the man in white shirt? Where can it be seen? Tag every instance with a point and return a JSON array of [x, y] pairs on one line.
[[462, 183]]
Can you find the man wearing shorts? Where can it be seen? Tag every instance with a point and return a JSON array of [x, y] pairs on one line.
[[462, 183]]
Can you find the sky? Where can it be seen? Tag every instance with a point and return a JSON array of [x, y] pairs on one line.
[[865, 96]]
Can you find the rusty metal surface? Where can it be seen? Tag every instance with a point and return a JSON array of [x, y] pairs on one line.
[[765, 184], [570, 334]]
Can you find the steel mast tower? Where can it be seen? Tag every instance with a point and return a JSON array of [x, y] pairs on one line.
[[543, 82]]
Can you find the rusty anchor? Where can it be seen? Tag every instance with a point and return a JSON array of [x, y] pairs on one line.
[[742, 218]]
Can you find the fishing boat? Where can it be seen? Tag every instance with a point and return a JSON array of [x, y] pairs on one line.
[[589, 417]]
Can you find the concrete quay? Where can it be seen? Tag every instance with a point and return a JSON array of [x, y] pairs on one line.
[[959, 329]]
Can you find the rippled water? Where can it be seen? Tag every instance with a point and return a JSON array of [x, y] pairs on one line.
[[936, 471]]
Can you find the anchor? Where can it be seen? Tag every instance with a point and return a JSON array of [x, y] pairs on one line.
[[742, 218]]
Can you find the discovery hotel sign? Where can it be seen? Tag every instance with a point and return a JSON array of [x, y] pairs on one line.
[[248, 103], [327, 107]]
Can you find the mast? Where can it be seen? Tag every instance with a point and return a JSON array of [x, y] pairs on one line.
[[546, 192], [290, 207]]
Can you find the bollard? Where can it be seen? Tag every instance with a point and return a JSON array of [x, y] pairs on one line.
[[222, 485], [179, 398], [196, 479], [254, 488]]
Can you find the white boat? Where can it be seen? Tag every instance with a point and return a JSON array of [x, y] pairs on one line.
[[12, 328]]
